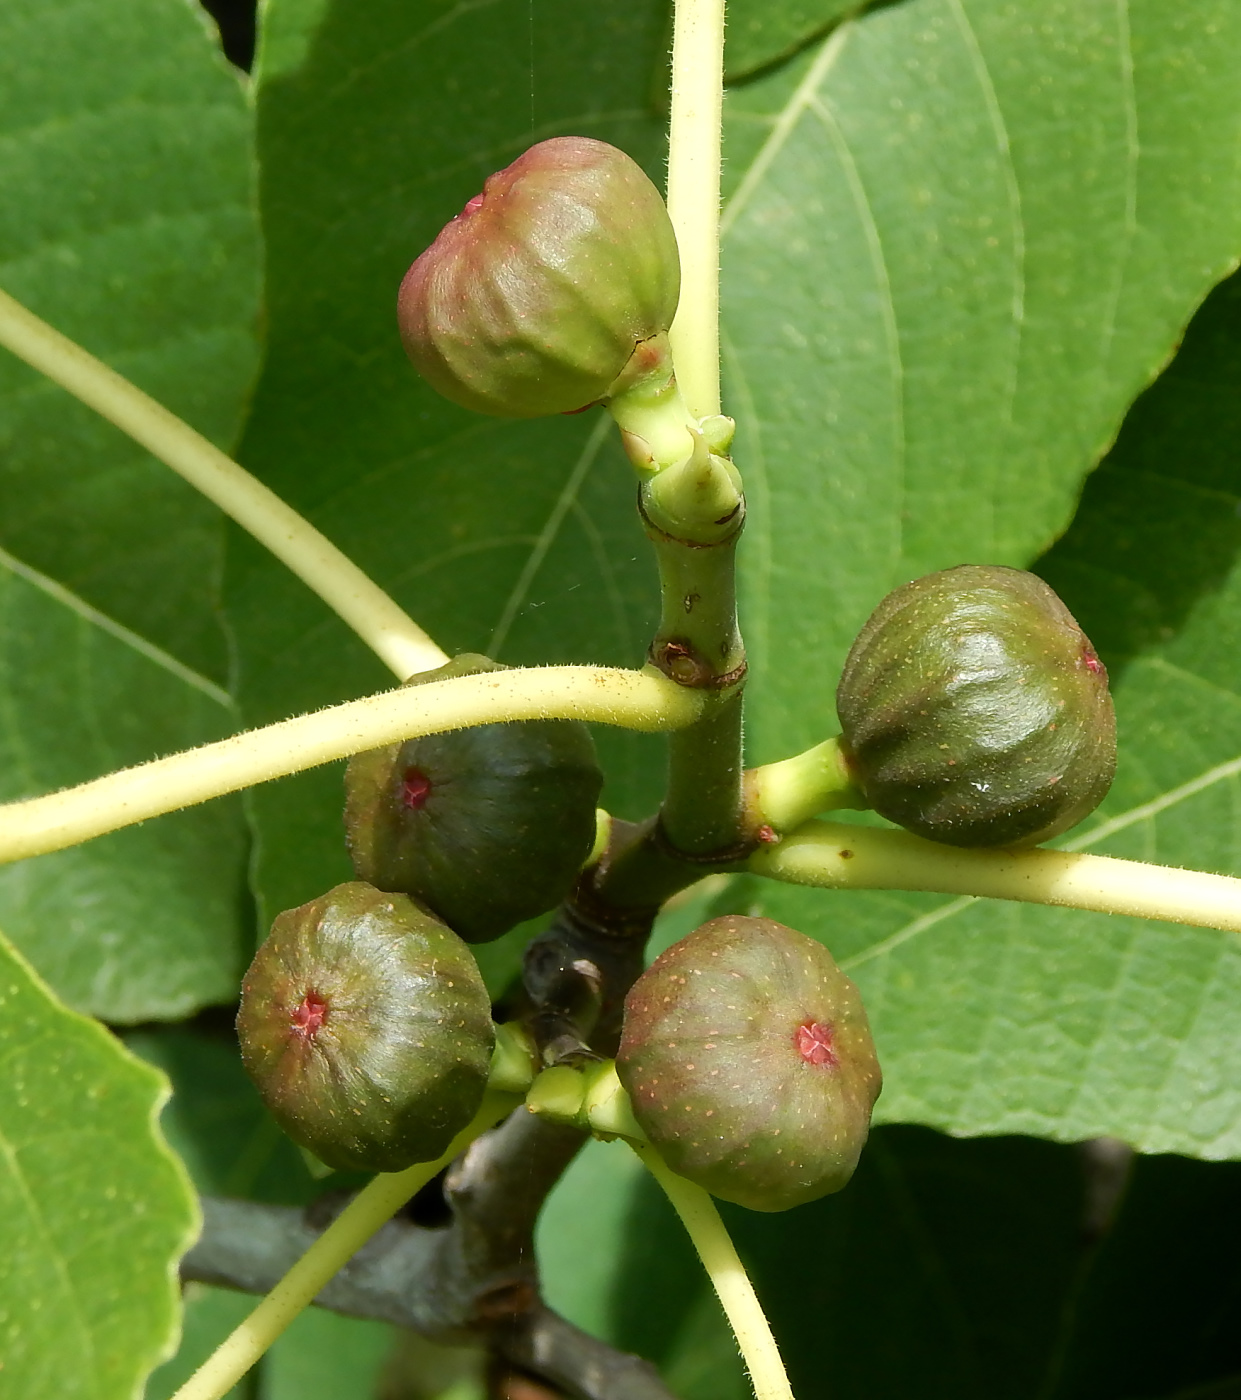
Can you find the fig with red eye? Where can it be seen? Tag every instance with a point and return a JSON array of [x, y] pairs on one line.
[[749, 1063], [974, 710], [365, 1023], [487, 826], [532, 300]]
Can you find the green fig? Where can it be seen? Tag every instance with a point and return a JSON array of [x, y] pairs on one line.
[[486, 826], [365, 1023], [749, 1063], [532, 300], [974, 711]]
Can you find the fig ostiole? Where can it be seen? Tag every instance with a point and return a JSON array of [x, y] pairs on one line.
[[366, 1026], [535, 297], [749, 1063], [487, 826], [975, 712]]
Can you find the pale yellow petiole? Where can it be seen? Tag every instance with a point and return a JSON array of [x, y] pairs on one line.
[[727, 1273], [694, 197], [642, 700], [845, 856]]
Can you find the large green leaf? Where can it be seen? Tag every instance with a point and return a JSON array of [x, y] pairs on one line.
[[377, 121], [994, 1017], [958, 241], [762, 31], [128, 221], [151, 921], [94, 1208]]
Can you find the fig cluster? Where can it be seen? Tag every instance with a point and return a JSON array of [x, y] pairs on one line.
[[364, 1020]]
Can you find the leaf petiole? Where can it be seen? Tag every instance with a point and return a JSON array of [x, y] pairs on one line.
[[727, 1273], [641, 700], [836, 855]]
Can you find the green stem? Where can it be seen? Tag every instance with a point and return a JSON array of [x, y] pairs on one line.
[[698, 641], [394, 636], [833, 855], [366, 1213], [727, 1273], [783, 795], [698, 644], [703, 812], [641, 700], [694, 196]]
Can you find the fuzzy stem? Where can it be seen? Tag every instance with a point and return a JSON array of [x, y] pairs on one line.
[[837, 856], [639, 700], [394, 637], [372, 1208], [727, 1273], [694, 196]]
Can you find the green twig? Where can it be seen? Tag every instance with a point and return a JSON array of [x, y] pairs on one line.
[[365, 1214], [727, 1273], [394, 636]]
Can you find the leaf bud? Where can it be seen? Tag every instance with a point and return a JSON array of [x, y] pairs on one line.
[[486, 826], [974, 711], [366, 1026], [748, 1059], [532, 300]]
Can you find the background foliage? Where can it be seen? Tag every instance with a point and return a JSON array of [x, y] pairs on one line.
[[962, 238]]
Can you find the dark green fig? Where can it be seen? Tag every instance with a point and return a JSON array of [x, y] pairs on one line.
[[486, 826], [749, 1064], [975, 712], [365, 1023], [533, 298]]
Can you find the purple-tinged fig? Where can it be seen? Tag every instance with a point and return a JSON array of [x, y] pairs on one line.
[[366, 1026], [487, 826], [532, 300], [974, 711], [749, 1063]]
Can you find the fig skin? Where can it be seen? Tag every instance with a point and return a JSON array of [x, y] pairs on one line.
[[749, 1063], [532, 300], [487, 826], [366, 1026], [975, 712]]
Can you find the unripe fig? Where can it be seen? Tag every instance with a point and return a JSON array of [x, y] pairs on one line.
[[486, 826], [533, 298], [974, 711], [365, 1023], [748, 1060]]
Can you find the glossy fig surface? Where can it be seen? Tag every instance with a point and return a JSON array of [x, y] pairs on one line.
[[974, 710], [532, 300], [486, 826], [366, 1026], [748, 1059]]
